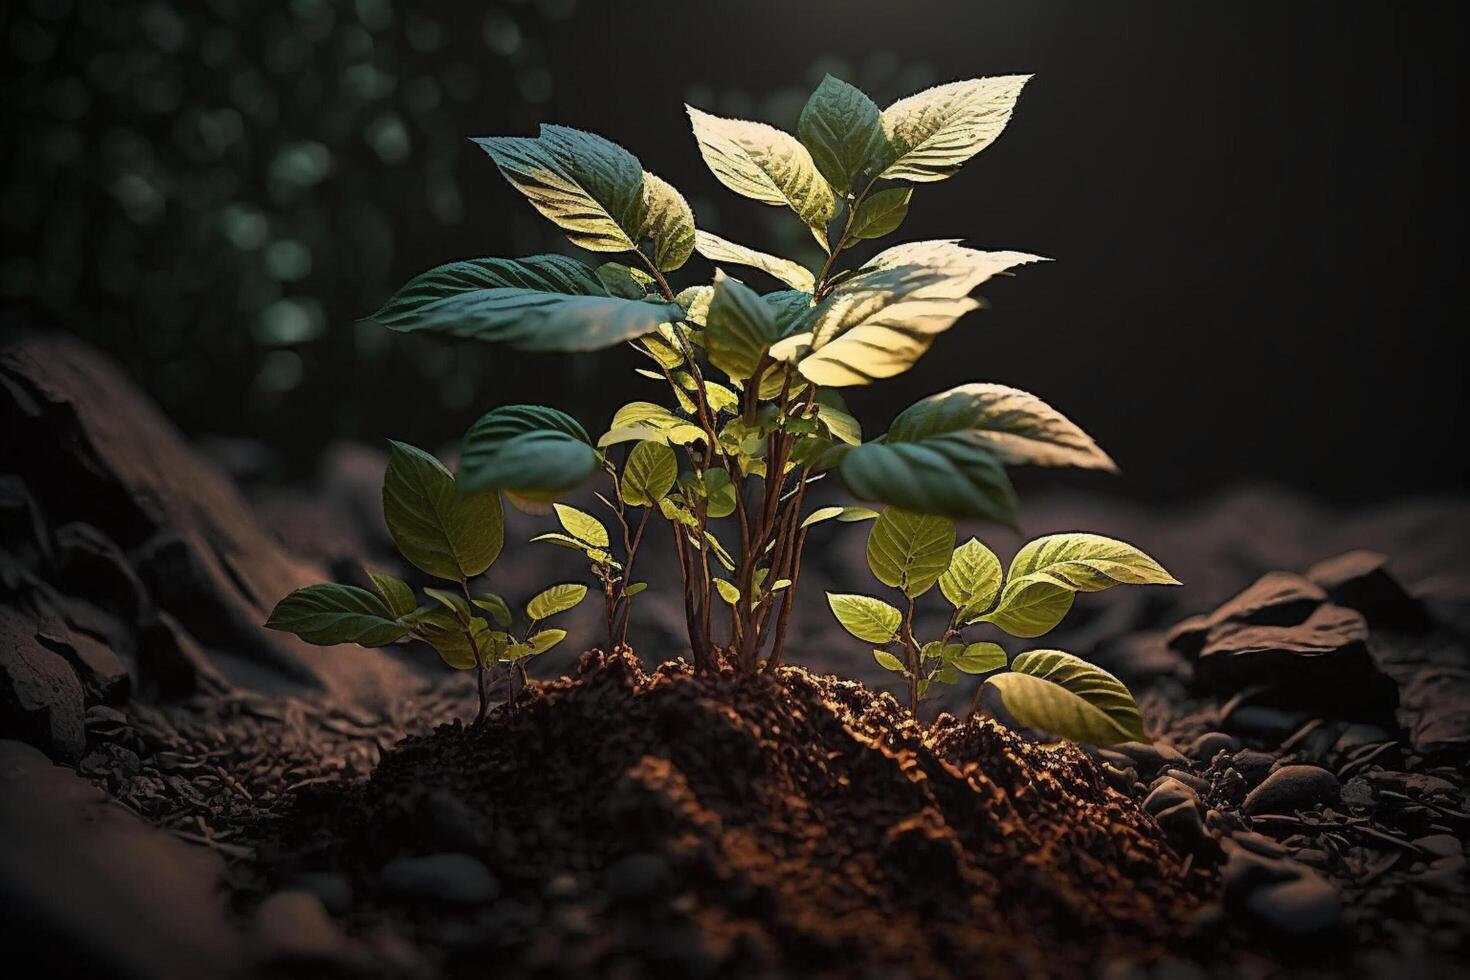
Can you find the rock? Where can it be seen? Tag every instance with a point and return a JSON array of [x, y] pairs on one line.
[[331, 888], [293, 924], [1168, 792], [1275, 599], [1312, 742], [1258, 844], [1196, 783], [1183, 826], [22, 526], [454, 878], [89, 563], [1440, 845], [1151, 758], [1357, 736], [1434, 689], [104, 677], [1415, 784], [639, 876], [1252, 764], [1360, 580], [1205, 747], [1321, 664], [172, 663], [1261, 721], [92, 891], [1246, 871], [1358, 793], [1305, 906], [41, 700], [1292, 788]]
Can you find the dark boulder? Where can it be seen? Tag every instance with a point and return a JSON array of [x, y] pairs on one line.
[[1360, 580]]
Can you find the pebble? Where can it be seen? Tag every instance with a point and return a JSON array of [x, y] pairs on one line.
[[1151, 758], [1305, 906], [295, 924], [332, 888], [1208, 745], [1440, 845], [1358, 792], [1263, 721], [1253, 765], [1292, 788], [639, 876], [1183, 825], [1258, 843], [456, 878], [1189, 779], [1167, 793]]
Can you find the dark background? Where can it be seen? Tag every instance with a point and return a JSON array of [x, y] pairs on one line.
[[1250, 206]]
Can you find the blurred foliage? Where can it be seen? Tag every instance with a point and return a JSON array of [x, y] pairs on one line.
[[214, 190]]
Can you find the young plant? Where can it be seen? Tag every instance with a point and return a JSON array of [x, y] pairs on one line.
[[449, 534], [753, 379], [1046, 689]]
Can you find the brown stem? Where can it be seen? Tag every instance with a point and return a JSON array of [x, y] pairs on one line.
[[626, 612], [819, 291], [912, 648]]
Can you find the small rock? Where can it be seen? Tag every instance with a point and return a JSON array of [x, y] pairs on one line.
[[1208, 745], [332, 888], [1151, 758], [1292, 788], [1360, 580], [1258, 843], [1253, 764], [1440, 845], [104, 678], [1358, 735], [1358, 792], [1167, 793], [1415, 784], [1183, 825], [1306, 906], [455, 878], [639, 876], [1275, 599], [1245, 871], [1262, 721], [41, 700], [294, 924], [1196, 783]]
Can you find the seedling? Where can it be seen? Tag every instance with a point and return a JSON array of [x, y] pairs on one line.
[[755, 413], [1046, 689], [450, 535]]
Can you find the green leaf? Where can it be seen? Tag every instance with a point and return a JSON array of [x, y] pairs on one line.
[[634, 588], [727, 591], [556, 599], [767, 165], [1067, 696], [931, 134], [453, 601], [648, 474], [448, 532], [497, 607], [532, 450], [847, 514], [1089, 562], [865, 617], [978, 658], [454, 646], [842, 426], [1031, 605], [588, 186], [395, 592], [582, 525], [539, 303], [330, 614], [843, 130], [720, 493], [878, 322], [944, 475], [721, 553], [541, 642], [694, 301], [972, 580], [1016, 425], [881, 213], [888, 661], [908, 550], [620, 280], [717, 250], [739, 329], [651, 422], [668, 222]]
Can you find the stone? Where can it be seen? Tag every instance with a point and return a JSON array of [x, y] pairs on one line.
[[1292, 788], [172, 663], [1151, 758], [330, 887], [1275, 599], [41, 700], [1205, 747], [1254, 765], [295, 925], [1358, 793], [452, 878], [1321, 664], [1415, 784], [1184, 827], [1196, 783], [1359, 735], [1306, 906], [1360, 580], [104, 677], [1440, 845], [89, 563], [639, 876], [1261, 721], [1168, 792], [1258, 844]]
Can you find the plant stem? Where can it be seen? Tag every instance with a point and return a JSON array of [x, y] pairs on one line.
[[819, 291], [479, 661], [912, 648]]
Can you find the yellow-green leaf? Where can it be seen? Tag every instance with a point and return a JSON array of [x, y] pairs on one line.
[[668, 222], [1031, 605], [908, 550], [1067, 696], [648, 474], [330, 614], [881, 213], [556, 599], [1089, 562], [582, 525], [717, 250], [739, 329], [864, 617], [972, 580], [931, 134]]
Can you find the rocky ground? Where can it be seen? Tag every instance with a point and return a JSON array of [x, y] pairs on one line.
[[184, 794]]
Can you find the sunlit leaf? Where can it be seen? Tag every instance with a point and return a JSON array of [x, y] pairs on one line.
[[848, 514], [556, 599], [888, 661], [1067, 696], [718, 250], [648, 474], [739, 329], [720, 493], [931, 134], [330, 614], [582, 525], [727, 591], [972, 580], [908, 550], [668, 222], [864, 617], [1089, 562], [767, 165], [448, 531], [1031, 605], [588, 186], [977, 658], [649, 421]]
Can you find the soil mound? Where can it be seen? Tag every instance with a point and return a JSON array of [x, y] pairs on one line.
[[649, 824]]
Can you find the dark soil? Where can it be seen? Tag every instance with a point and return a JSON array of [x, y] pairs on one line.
[[703, 826]]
